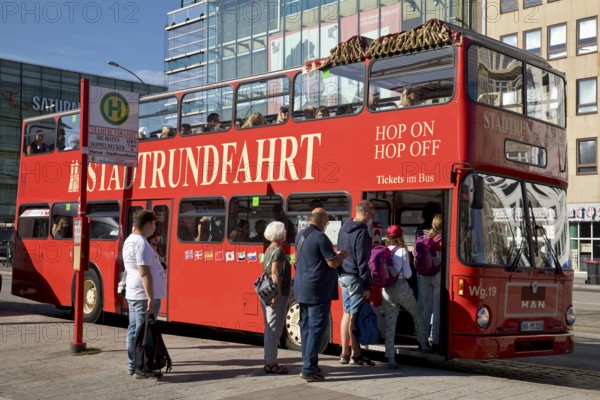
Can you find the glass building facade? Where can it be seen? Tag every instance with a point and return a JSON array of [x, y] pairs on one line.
[[28, 90], [210, 41]]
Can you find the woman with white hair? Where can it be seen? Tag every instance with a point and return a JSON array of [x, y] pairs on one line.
[[276, 264]]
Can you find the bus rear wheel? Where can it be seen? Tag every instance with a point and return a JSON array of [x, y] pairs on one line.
[[92, 296], [291, 333]]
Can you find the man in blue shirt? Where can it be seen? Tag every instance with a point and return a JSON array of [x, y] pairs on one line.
[[315, 285]]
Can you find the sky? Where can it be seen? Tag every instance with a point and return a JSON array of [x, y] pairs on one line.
[[82, 35]]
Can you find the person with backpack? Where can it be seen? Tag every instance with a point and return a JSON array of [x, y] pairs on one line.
[[355, 279], [145, 281], [399, 294], [428, 261]]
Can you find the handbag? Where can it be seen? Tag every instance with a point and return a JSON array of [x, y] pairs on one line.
[[265, 288]]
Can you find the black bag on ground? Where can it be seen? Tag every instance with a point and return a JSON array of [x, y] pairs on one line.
[[150, 351]]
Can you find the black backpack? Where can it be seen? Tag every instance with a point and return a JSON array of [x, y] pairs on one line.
[[150, 351]]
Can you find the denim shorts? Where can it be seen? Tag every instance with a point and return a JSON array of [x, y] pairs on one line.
[[352, 293]]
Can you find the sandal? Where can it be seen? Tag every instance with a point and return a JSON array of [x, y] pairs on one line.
[[361, 360], [345, 359], [275, 368]]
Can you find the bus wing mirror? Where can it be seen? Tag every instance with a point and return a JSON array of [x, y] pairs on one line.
[[476, 194]]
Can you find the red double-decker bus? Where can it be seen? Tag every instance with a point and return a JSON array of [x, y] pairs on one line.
[[437, 114]]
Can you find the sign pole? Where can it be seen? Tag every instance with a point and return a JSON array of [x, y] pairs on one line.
[[81, 260]]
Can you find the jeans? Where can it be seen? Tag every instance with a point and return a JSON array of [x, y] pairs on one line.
[[430, 291], [137, 313], [274, 319], [313, 322], [352, 293]]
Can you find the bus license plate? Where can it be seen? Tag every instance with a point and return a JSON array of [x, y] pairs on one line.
[[532, 326]]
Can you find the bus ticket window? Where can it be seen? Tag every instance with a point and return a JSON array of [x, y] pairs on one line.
[[201, 220], [62, 220], [39, 137], [33, 222]]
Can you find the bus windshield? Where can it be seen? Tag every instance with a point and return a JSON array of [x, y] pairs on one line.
[[498, 233]]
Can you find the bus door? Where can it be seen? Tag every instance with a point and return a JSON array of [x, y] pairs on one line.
[[163, 209], [407, 208]]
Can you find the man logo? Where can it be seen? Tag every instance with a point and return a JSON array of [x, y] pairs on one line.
[[114, 108]]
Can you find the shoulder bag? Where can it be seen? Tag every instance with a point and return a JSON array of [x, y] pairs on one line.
[[265, 288]]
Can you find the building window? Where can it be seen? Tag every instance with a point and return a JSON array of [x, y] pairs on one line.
[[586, 156], [587, 96], [587, 36], [533, 41], [510, 39], [531, 3], [557, 41], [508, 5]]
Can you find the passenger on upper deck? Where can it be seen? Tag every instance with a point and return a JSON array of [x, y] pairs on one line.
[[213, 123], [256, 119], [410, 97], [309, 112], [38, 146], [60, 139], [322, 112], [344, 109], [282, 116], [166, 132], [186, 129], [143, 133]]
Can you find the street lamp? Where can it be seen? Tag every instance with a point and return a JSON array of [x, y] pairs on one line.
[[115, 64]]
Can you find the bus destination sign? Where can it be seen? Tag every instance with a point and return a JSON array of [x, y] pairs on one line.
[[113, 127]]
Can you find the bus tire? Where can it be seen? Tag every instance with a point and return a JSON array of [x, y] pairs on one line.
[[291, 330], [92, 296]]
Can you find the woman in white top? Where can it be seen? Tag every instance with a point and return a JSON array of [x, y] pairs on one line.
[[400, 295]]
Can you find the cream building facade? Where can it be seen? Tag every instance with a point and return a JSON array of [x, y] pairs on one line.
[[565, 32]]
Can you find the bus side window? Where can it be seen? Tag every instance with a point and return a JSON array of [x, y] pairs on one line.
[[300, 206], [104, 221], [62, 220], [201, 220], [206, 111], [260, 102], [249, 215], [33, 222], [68, 133], [336, 92], [158, 114], [39, 137]]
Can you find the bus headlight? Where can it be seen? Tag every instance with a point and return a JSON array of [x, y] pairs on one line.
[[483, 317], [570, 316]]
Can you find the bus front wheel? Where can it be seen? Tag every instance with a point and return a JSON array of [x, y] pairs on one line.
[[92, 296], [291, 333]]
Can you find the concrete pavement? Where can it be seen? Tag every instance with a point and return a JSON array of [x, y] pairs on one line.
[[37, 364], [34, 354]]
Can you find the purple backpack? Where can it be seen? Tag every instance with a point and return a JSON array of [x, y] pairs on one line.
[[425, 251], [382, 266]]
